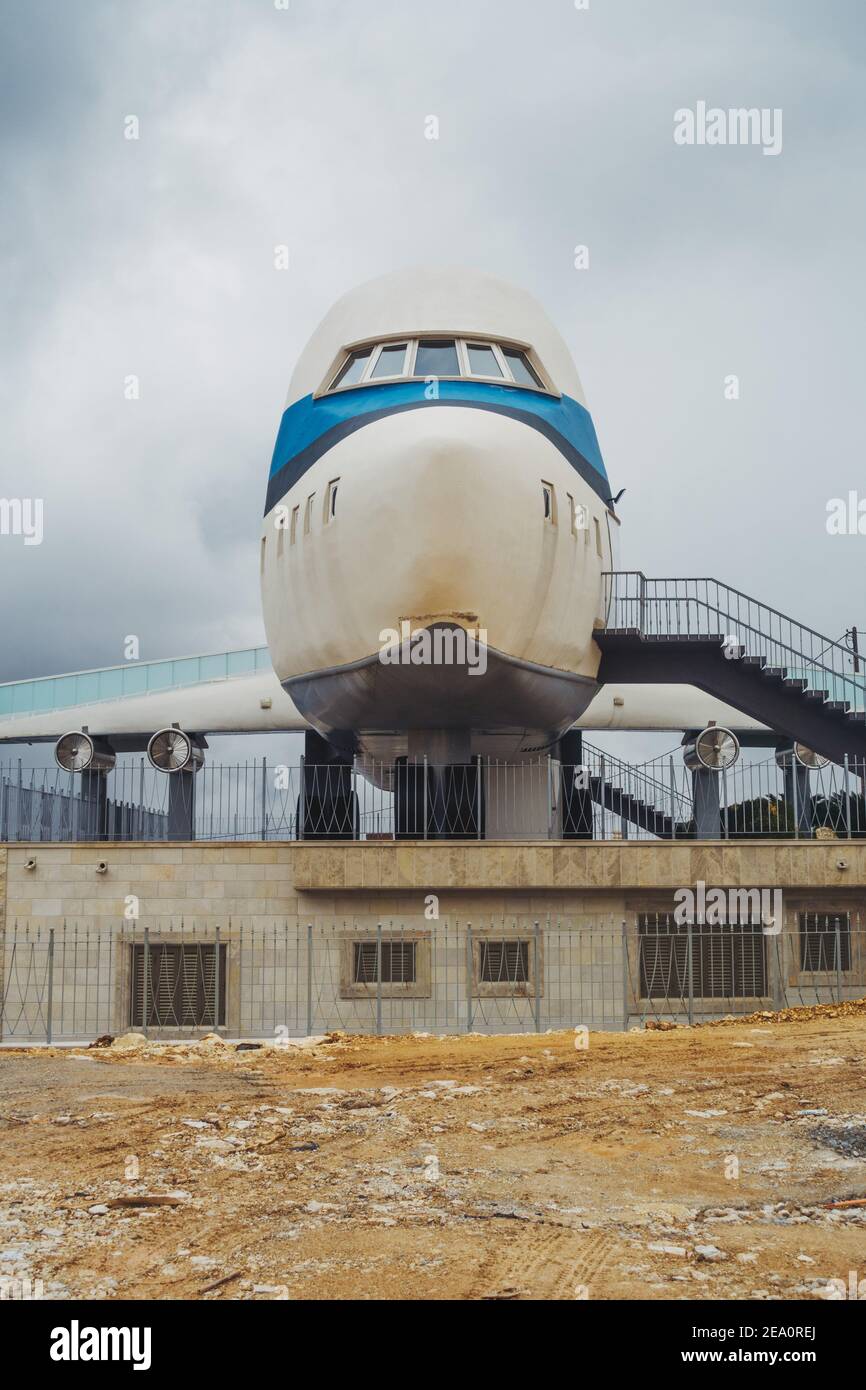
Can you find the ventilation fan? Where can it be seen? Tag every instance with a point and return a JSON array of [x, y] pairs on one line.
[[807, 757], [715, 749], [78, 752], [171, 750], [802, 756]]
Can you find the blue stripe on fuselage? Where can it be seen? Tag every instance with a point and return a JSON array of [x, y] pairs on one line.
[[310, 427]]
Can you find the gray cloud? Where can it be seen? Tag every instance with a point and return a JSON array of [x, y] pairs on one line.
[[261, 127]]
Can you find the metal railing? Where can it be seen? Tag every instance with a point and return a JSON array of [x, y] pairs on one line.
[[684, 608], [284, 979], [602, 798]]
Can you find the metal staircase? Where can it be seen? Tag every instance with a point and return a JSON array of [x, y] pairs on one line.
[[703, 633], [632, 794]]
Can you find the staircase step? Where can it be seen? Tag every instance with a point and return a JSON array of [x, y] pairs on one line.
[[838, 706], [775, 673], [818, 696], [795, 683]]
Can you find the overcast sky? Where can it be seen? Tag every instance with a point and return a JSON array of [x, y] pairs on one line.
[[259, 126]]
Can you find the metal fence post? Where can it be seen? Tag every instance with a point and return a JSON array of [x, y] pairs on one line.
[[469, 977], [794, 797], [216, 981], [415, 798], [847, 800], [302, 798], [49, 1020], [264, 797], [145, 1004], [378, 979], [309, 979], [690, 971], [537, 1008], [626, 978], [673, 799], [838, 935], [549, 798]]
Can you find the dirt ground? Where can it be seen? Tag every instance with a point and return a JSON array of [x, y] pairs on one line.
[[691, 1163]]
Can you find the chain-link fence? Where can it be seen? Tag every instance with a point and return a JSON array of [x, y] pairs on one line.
[[176, 979]]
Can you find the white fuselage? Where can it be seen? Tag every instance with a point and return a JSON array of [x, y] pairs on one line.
[[447, 512]]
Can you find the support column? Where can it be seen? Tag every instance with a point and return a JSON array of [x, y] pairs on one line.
[[327, 804], [436, 801], [705, 799], [576, 792], [181, 805], [93, 806], [798, 791]]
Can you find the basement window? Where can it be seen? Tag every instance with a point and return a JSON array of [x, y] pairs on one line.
[[505, 966], [818, 941], [175, 985], [397, 962], [728, 962], [391, 966], [504, 962]]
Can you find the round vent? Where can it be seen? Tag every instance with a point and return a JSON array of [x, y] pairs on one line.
[[714, 749], [807, 757], [78, 752], [171, 750]]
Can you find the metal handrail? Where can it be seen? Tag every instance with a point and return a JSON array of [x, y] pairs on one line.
[[676, 607]]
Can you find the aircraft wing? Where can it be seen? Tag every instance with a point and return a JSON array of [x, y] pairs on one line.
[[238, 692], [657, 708], [235, 692]]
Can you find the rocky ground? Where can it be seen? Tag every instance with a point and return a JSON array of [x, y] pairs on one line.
[[690, 1163]]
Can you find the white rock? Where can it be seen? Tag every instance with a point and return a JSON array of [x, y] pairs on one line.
[[129, 1042], [661, 1249], [98, 1210], [709, 1252]]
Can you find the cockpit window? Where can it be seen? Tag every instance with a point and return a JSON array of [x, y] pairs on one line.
[[390, 362], [352, 369], [520, 368], [441, 357], [437, 357], [483, 360]]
